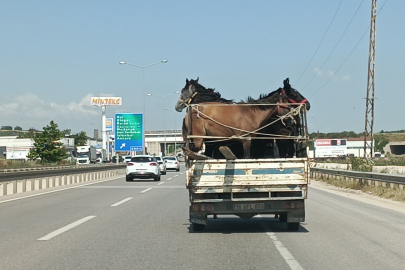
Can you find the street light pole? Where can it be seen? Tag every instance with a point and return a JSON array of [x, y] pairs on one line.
[[164, 119], [143, 83], [164, 115]]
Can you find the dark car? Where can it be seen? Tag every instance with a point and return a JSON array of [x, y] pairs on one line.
[[114, 159]]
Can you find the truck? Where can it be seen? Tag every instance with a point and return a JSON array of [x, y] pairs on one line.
[[85, 155], [101, 155], [247, 187]]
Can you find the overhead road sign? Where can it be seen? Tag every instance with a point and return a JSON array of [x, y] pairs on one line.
[[129, 132]]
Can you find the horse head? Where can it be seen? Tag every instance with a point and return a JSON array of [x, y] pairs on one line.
[[194, 93], [186, 94], [293, 95]]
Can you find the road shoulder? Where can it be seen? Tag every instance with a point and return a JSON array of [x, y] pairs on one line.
[[358, 195]]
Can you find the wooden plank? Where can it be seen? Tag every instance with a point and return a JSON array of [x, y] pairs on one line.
[[228, 154], [194, 155]]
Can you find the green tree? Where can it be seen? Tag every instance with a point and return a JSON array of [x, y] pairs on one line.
[[17, 128], [379, 144], [66, 132], [6, 128], [47, 145], [80, 138]]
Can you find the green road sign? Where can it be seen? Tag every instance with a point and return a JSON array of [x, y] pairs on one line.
[[129, 132]]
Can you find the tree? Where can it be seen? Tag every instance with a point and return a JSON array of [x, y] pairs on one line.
[[66, 132], [6, 128], [17, 128], [47, 145], [80, 138], [380, 143]]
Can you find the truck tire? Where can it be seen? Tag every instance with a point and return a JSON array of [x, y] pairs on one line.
[[282, 217], [157, 178], [197, 227], [128, 178], [293, 226]]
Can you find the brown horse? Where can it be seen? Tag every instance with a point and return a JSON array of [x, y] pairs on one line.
[[216, 120]]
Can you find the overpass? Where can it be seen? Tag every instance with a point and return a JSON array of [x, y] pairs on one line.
[[156, 140]]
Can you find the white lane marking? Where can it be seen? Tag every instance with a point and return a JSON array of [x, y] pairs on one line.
[[161, 183], [52, 191], [168, 179], [288, 257], [123, 201], [65, 229], [146, 190], [175, 175]]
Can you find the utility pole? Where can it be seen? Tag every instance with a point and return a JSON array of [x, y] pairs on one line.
[[369, 127]]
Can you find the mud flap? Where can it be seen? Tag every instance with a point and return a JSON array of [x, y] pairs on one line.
[[296, 216], [198, 218]]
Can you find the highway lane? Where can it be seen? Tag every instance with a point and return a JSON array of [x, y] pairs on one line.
[[113, 225]]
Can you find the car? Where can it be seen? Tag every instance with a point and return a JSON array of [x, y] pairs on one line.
[[144, 167], [114, 159], [162, 165], [172, 163], [127, 159]]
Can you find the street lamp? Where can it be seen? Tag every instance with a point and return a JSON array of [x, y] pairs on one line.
[[164, 119], [143, 83], [154, 95]]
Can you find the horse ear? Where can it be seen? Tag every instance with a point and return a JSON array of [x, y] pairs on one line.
[[186, 81], [287, 86], [197, 79]]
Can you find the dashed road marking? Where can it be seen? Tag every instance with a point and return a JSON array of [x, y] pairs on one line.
[[123, 201], [145, 190], [65, 229], [161, 183]]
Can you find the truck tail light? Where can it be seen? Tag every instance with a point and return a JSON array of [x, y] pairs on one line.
[[203, 207], [293, 205]]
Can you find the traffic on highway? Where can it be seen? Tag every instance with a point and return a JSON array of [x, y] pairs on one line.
[[142, 224]]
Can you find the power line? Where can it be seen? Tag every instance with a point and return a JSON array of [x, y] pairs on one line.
[[319, 45], [337, 43], [368, 29]]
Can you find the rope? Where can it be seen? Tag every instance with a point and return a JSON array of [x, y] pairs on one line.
[[293, 112]]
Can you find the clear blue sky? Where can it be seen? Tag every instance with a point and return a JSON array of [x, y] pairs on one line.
[[55, 55]]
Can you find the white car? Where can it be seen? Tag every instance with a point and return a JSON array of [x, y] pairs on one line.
[[172, 163], [162, 165], [127, 159], [143, 166]]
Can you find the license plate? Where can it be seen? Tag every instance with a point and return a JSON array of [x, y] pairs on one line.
[[248, 206]]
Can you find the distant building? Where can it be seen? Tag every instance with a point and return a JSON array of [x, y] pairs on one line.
[[353, 147]]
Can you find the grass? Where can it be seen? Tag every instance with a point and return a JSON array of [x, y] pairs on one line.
[[386, 192], [14, 164]]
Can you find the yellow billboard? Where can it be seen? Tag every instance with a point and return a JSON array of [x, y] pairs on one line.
[[106, 101]]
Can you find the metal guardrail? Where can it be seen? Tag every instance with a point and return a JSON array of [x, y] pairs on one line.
[[381, 177], [20, 174]]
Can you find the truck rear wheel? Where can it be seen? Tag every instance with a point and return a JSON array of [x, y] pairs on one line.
[[197, 227], [293, 226], [157, 178], [128, 178], [282, 217]]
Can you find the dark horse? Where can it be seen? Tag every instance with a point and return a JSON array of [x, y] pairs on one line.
[[216, 120], [286, 147]]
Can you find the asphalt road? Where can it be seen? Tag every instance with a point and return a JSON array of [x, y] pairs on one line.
[[144, 224]]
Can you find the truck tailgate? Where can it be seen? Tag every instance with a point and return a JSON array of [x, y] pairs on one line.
[[242, 179]]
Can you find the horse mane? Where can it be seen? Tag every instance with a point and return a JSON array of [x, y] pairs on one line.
[[207, 94], [271, 98]]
